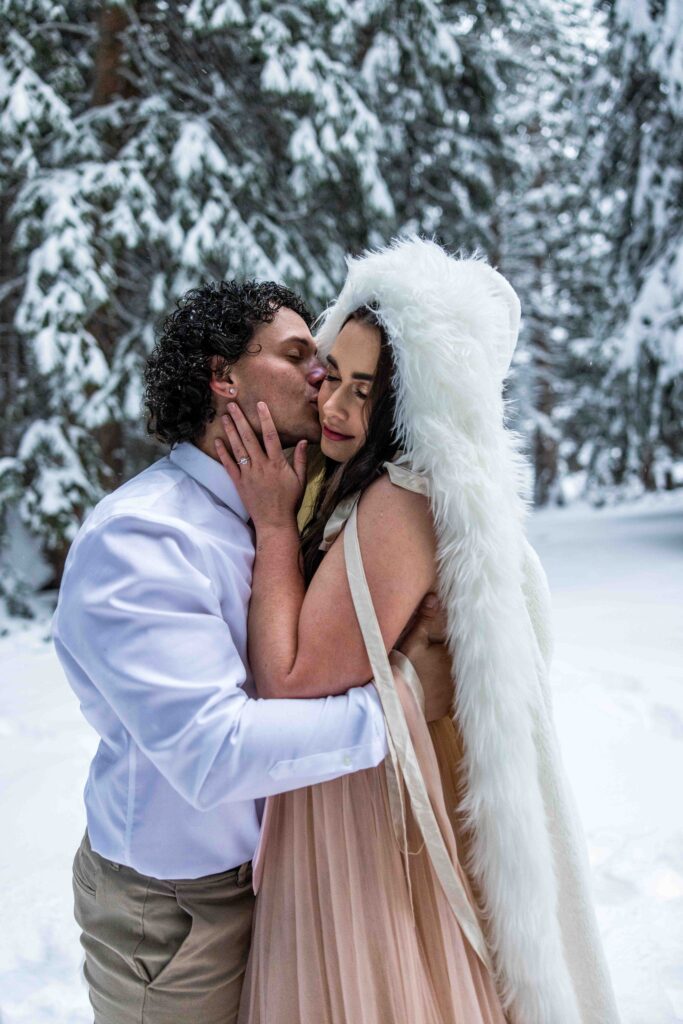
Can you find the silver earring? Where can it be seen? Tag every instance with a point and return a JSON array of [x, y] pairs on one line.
[[232, 390]]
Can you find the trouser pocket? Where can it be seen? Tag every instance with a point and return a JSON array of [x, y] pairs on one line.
[[166, 928], [160, 952], [84, 871]]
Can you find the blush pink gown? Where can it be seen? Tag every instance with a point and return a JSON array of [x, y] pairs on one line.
[[353, 923]]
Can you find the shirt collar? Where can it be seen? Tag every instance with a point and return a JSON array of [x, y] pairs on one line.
[[210, 474]]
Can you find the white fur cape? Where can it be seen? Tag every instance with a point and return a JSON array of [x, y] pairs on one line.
[[453, 325]]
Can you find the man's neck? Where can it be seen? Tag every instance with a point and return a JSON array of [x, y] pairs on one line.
[[207, 446], [207, 442]]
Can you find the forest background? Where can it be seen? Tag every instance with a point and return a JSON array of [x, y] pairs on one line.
[[146, 147]]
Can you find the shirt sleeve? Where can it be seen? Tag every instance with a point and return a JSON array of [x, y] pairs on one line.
[[139, 615]]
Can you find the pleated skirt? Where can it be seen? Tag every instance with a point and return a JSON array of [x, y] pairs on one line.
[[351, 929]]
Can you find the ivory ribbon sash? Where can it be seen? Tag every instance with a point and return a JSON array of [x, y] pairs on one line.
[[402, 758]]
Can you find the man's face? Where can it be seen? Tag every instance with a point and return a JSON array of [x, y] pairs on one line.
[[281, 368]]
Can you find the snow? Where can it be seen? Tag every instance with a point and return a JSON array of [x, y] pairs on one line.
[[617, 582], [28, 96], [222, 15], [21, 555], [273, 76], [636, 13], [664, 33], [617, 591], [654, 315], [227, 14], [45, 751], [303, 145], [302, 78], [194, 150], [447, 48]]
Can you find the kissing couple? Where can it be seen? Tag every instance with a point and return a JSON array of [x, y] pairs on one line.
[[280, 710]]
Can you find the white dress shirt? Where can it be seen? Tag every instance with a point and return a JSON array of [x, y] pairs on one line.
[[151, 629]]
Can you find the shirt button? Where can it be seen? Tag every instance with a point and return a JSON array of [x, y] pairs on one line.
[[347, 761]]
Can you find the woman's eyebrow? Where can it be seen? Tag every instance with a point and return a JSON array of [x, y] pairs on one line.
[[354, 376]]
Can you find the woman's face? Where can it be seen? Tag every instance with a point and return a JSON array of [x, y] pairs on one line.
[[343, 403]]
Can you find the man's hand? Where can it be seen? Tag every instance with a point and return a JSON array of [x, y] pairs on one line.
[[425, 646]]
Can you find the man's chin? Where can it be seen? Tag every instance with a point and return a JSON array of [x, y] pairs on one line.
[[291, 440], [311, 433], [307, 429]]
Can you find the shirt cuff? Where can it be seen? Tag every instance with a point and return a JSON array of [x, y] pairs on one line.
[[377, 715]]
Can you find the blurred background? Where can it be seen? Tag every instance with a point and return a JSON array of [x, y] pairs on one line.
[[146, 147]]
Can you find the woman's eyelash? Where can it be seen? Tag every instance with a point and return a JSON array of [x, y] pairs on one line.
[[357, 392]]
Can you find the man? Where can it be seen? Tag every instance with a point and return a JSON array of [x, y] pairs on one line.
[[151, 628]]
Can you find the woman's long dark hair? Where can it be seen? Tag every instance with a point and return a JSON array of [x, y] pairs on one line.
[[340, 481]]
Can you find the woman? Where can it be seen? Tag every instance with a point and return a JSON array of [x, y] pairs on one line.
[[452, 885]]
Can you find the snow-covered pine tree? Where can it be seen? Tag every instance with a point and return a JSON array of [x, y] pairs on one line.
[[552, 241], [439, 74], [42, 82], [628, 421]]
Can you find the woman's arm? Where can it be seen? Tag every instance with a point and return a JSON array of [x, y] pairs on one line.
[[305, 644], [398, 551], [270, 489], [277, 597]]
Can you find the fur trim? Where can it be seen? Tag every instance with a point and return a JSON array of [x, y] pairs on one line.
[[453, 324]]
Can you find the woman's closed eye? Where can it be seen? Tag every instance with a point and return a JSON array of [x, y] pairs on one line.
[[357, 392]]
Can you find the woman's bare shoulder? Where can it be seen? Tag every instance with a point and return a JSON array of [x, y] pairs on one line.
[[387, 510], [384, 494]]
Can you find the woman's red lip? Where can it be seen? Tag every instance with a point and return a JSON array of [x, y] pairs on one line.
[[336, 437]]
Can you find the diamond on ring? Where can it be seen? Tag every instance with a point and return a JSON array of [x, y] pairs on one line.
[[243, 462]]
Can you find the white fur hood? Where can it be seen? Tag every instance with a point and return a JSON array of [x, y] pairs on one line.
[[453, 324]]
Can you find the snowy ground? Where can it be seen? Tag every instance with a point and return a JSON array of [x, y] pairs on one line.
[[617, 581]]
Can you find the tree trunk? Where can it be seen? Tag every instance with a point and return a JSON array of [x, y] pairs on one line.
[[109, 81]]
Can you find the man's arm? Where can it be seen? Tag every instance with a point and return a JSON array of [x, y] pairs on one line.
[[425, 645], [139, 615]]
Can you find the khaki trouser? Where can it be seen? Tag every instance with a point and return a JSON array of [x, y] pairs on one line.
[[162, 952]]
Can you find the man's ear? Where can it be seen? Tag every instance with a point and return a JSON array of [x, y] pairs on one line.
[[221, 383]]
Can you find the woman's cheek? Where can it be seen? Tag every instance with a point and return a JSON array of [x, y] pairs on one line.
[[323, 395]]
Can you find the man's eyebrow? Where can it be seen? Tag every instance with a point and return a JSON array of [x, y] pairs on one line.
[[354, 376]]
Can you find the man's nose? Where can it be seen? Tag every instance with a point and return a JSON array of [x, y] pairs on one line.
[[315, 375]]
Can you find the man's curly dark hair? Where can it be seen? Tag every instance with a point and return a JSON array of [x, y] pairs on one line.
[[218, 319]]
